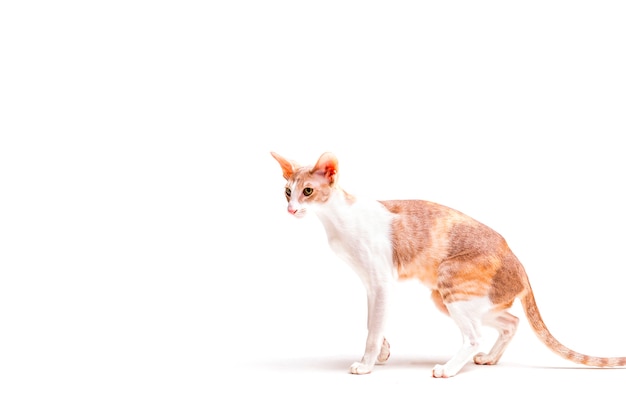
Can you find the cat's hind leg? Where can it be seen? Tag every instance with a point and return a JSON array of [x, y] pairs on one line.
[[506, 325], [468, 316]]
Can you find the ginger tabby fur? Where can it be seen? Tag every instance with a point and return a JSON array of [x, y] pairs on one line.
[[472, 273]]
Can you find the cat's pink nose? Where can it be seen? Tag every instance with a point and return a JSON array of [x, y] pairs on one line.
[[292, 210]]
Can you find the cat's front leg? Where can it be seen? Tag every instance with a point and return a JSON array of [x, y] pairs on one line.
[[359, 368], [376, 346]]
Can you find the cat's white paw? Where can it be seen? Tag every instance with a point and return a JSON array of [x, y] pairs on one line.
[[384, 352], [359, 368], [484, 359], [440, 371]]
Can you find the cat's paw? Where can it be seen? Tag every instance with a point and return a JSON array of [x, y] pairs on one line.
[[359, 368], [484, 359], [440, 371], [384, 352]]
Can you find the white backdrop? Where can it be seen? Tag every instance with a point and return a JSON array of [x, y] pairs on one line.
[[148, 265]]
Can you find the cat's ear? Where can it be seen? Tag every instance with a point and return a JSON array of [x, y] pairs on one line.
[[287, 166], [328, 166]]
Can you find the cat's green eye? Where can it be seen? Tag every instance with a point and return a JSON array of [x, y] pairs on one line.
[[307, 191], [288, 192]]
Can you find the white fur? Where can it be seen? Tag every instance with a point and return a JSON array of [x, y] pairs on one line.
[[468, 315], [506, 325], [359, 232]]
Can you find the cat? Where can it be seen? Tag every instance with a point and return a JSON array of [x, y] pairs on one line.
[[472, 273]]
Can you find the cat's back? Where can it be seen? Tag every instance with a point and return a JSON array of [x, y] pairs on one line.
[[428, 215], [424, 214], [426, 233], [420, 216]]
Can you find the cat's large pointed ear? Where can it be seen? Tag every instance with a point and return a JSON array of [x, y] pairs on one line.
[[287, 166], [328, 166]]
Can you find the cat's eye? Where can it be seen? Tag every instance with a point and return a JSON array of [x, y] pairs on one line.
[[288, 192], [307, 191]]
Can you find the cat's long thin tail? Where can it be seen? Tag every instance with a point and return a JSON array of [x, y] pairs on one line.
[[536, 322]]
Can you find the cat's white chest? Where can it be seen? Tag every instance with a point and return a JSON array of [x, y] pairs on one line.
[[344, 249], [360, 234]]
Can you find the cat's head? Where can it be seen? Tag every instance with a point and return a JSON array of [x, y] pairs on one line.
[[308, 185]]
